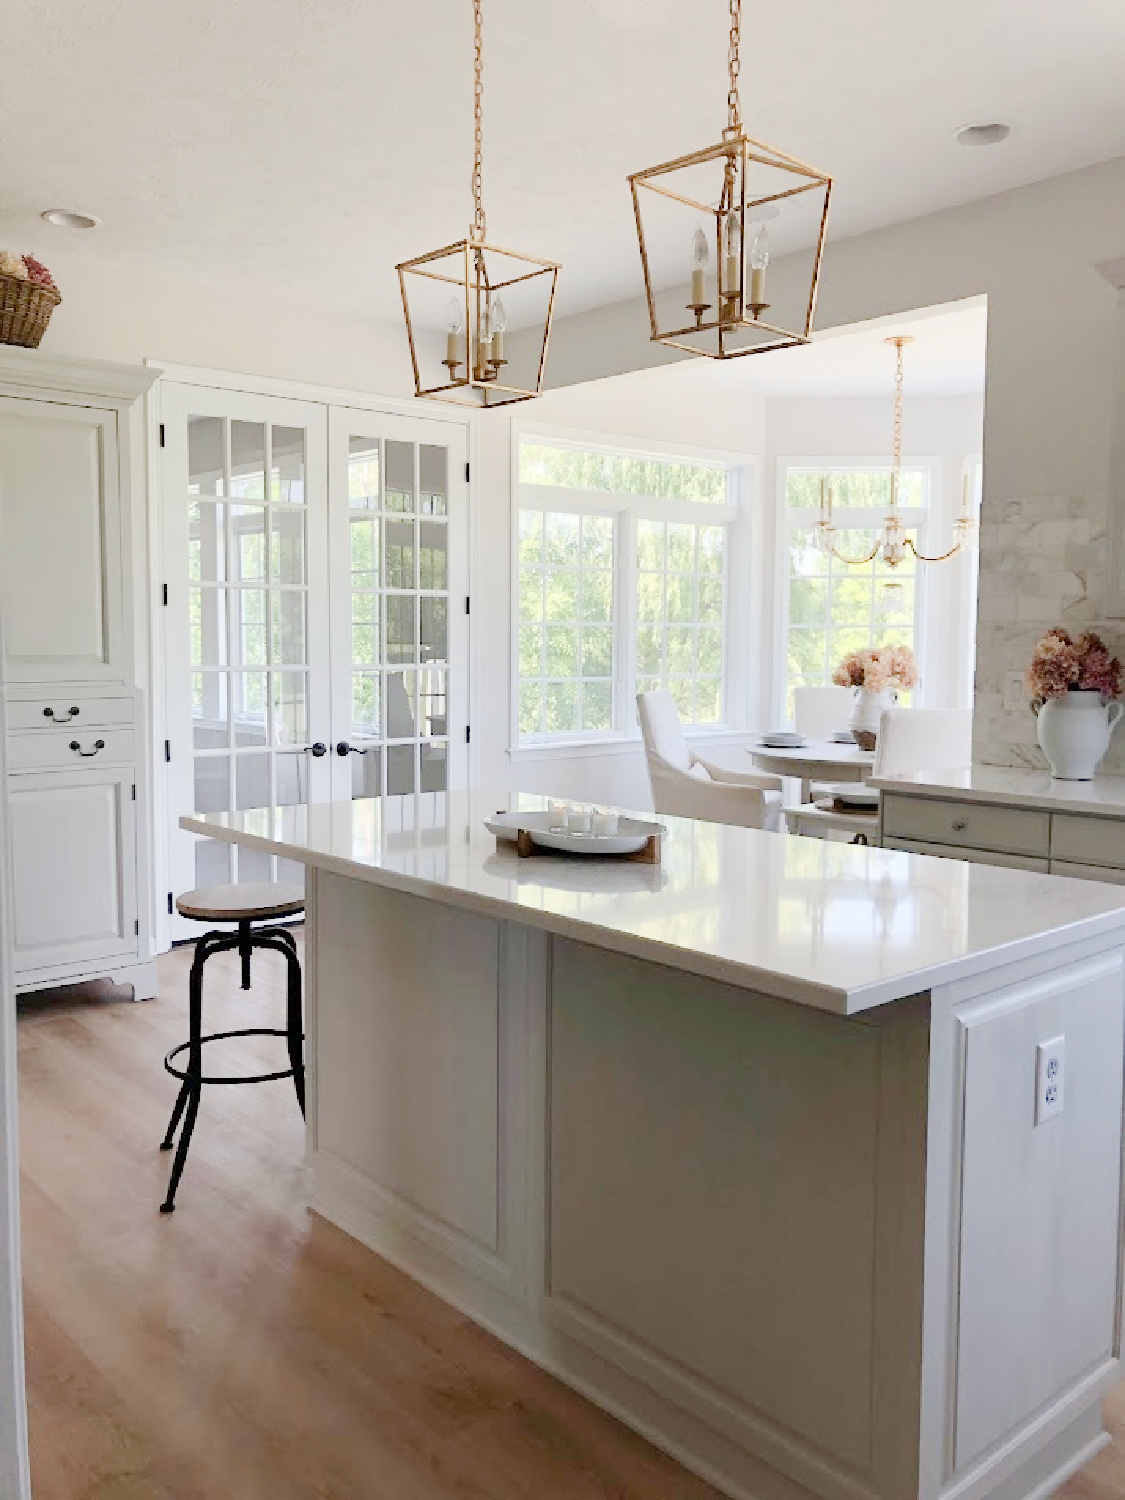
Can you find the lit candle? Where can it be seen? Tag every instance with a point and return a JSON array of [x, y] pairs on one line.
[[759, 260], [578, 820], [556, 814], [498, 321], [732, 265], [453, 333], [699, 254]]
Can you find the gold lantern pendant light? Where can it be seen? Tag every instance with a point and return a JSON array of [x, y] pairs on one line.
[[893, 544], [731, 191], [474, 277]]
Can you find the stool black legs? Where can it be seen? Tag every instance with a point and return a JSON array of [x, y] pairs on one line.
[[193, 1078]]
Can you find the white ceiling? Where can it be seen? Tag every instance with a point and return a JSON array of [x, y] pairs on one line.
[[307, 147], [947, 358]]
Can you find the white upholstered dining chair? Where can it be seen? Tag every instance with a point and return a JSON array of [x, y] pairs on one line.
[[685, 785], [910, 739]]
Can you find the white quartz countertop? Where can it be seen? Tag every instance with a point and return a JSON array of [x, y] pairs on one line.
[[1104, 796], [836, 926]]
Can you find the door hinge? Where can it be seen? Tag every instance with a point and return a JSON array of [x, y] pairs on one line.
[[162, 434], [134, 791], [167, 750], [466, 473], [164, 594], [169, 903], [468, 734], [137, 927], [467, 604]]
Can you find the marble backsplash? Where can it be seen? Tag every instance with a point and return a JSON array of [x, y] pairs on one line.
[[1042, 563]]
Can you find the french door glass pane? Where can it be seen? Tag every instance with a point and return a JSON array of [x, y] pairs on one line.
[[287, 465], [398, 560], [206, 456]]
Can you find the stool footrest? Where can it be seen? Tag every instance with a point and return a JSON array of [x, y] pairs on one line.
[[188, 1076]]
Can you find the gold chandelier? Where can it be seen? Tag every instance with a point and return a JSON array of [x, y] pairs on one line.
[[460, 286], [732, 190], [893, 544]]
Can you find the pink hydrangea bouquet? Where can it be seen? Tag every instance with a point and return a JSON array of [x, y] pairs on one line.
[[1061, 662], [877, 668]]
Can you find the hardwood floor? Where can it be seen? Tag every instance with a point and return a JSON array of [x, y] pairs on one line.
[[243, 1348]]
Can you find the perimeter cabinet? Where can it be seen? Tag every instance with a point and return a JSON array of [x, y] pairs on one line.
[[72, 571]]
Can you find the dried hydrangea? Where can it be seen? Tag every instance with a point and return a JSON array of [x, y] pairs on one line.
[[877, 668], [12, 264], [1060, 663]]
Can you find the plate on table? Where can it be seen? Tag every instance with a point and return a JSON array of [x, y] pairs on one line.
[[631, 836], [783, 739], [842, 737]]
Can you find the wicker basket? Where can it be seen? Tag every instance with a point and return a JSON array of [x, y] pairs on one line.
[[25, 311]]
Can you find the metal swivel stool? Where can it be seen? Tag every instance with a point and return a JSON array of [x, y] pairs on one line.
[[260, 901]]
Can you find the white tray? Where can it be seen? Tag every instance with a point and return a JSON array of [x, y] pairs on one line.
[[631, 836]]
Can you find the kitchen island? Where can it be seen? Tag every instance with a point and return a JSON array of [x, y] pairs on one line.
[[755, 1146]]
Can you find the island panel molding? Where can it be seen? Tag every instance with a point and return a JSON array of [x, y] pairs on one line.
[[758, 1228]]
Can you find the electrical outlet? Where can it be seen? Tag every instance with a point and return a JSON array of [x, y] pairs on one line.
[[1049, 1070], [1015, 693]]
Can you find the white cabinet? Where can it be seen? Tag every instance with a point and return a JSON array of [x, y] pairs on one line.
[[74, 850], [71, 573]]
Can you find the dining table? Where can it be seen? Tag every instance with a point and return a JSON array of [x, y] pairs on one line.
[[815, 760]]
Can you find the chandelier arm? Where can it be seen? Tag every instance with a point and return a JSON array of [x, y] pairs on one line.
[[478, 124], [734, 107], [941, 556], [855, 562]]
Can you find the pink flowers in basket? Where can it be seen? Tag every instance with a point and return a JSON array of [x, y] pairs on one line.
[[1060, 663], [26, 268], [877, 668]]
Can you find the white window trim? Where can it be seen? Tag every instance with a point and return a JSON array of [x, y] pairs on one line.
[[737, 517], [847, 518]]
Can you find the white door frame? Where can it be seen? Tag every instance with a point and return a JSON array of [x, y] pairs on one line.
[[180, 374], [15, 1480]]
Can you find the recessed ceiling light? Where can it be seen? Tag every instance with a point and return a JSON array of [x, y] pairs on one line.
[[989, 133], [65, 218]]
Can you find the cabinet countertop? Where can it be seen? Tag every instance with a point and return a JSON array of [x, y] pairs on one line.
[[1104, 797], [834, 926]]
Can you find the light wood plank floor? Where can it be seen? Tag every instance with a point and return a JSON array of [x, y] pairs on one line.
[[243, 1348]]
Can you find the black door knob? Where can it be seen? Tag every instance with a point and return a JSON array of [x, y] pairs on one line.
[[343, 748], [319, 749]]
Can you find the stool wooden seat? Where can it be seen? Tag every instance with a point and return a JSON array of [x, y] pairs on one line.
[[264, 901], [255, 901]]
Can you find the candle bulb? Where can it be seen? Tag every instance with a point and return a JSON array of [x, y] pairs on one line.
[[732, 266], [699, 256], [498, 321], [759, 260], [453, 333]]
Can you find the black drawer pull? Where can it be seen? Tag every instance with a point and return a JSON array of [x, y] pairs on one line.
[[98, 745], [960, 824], [71, 713]]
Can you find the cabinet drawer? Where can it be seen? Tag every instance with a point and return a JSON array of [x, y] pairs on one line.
[[1088, 841], [57, 752], [62, 712], [971, 856], [1088, 872], [967, 825]]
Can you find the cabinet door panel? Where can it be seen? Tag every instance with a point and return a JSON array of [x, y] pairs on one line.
[[74, 865], [61, 563]]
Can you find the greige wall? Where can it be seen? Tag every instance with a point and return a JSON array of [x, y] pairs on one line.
[[1049, 398]]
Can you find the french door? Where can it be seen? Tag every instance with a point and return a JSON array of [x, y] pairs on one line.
[[313, 653]]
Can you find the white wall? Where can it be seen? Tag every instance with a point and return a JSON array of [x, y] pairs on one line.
[[1048, 395], [132, 314]]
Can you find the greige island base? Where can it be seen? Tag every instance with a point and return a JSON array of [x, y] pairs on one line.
[[743, 1145]]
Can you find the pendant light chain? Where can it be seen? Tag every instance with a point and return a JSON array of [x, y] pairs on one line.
[[478, 127], [896, 461], [734, 108]]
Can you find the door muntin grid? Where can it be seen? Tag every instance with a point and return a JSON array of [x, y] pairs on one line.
[[248, 629], [398, 555]]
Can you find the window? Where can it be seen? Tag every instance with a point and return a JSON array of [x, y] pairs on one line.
[[622, 588], [833, 607]]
